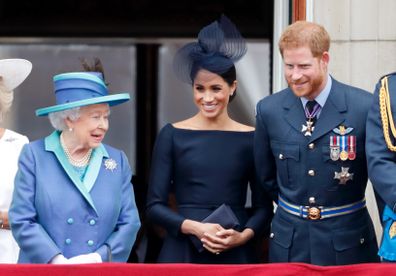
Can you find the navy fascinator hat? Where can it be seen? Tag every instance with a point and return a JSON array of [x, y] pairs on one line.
[[219, 46]]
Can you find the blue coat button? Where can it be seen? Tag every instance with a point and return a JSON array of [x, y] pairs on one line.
[[68, 241], [92, 222], [90, 242], [70, 221]]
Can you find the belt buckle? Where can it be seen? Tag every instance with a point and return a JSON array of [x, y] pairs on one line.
[[314, 213]]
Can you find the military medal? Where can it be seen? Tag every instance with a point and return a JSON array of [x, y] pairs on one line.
[[334, 147], [343, 175], [392, 230], [308, 128], [351, 147], [344, 153]]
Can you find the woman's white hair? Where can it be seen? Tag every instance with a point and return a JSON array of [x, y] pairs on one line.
[[57, 119], [6, 98]]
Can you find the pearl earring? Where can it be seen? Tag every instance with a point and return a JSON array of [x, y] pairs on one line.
[[70, 129]]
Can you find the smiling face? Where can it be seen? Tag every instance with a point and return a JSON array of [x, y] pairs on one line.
[[305, 74], [212, 94], [90, 128]]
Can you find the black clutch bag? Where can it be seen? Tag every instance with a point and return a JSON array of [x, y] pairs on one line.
[[224, 216]]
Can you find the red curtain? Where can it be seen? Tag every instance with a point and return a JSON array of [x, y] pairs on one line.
[[107, 269]]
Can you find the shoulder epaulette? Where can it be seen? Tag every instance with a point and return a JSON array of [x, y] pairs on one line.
[[387, 75]]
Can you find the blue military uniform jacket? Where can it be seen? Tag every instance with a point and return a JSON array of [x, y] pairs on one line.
[[382, 167], [299, 167], [54, 212]]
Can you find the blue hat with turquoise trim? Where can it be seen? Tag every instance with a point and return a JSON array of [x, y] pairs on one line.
[[77, 89]]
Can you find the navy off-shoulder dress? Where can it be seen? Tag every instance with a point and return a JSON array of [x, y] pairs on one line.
[[204, 169]]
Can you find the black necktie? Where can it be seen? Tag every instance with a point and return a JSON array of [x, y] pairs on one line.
[[310, 109]]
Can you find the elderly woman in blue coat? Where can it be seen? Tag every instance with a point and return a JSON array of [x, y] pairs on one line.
[[73, 200]]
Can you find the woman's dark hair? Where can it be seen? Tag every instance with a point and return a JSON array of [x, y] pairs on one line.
[[228, 76]]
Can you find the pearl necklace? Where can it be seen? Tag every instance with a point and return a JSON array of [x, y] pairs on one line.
[[77, 163]]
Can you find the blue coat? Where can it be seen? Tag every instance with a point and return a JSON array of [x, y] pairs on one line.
[[382, 165], [53, 212], [299, 167]]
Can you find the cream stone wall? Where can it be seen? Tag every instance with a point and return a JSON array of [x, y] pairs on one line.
[[363, 48], [363, 36]]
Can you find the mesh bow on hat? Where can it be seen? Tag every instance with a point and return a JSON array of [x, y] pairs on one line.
[[219, 46]]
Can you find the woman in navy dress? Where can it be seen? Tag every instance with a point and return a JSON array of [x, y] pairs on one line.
[[207, 160]]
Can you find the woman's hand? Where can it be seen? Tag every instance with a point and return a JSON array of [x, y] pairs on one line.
[[225, 239], [199, 229], [4, 218]]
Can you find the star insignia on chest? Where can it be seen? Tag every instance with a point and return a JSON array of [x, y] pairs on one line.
[[308, 128], [110, 164], [344, 175]]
